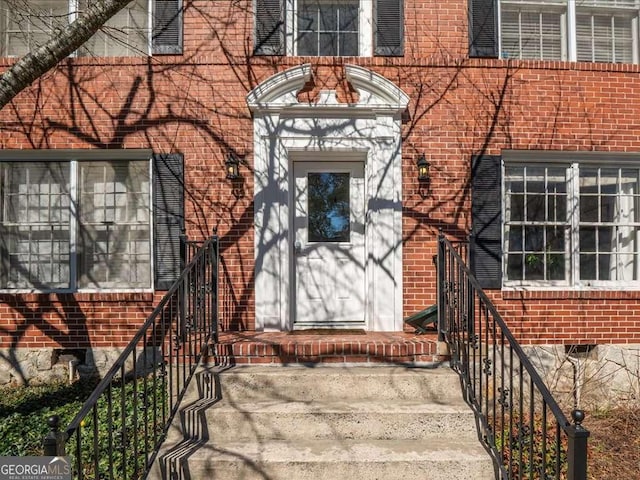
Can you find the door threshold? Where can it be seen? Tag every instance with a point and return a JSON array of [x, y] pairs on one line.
[[328, 331]]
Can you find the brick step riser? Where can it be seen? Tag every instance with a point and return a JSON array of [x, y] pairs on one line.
[[328, 359], [319, 352]]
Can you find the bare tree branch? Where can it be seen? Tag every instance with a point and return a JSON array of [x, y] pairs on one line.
[[61, 44]]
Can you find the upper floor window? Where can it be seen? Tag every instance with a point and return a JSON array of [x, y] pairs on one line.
[[607, 35], [533, 32], [24, 30], [576, 30], [125, 34], [129, 32], [329, 27]]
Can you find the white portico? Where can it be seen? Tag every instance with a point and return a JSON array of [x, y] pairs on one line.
[[328, 204]]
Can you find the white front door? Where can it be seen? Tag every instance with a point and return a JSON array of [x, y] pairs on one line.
[[329, 244]]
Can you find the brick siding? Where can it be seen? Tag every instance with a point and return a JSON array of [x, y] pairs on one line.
[[195, 104]]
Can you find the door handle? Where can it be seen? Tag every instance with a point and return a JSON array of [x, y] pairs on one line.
[[297, 247]]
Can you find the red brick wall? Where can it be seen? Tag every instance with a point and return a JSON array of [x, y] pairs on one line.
[[195, 104], [72, 320]]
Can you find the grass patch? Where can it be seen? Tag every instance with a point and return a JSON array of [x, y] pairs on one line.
[[24, 412], [117, 437]]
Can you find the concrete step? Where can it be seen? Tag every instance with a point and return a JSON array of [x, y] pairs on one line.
[[323, 422], [327, 383], [292, 420], [445, 459]]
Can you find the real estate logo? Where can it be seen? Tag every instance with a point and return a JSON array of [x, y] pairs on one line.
[[35, 468]]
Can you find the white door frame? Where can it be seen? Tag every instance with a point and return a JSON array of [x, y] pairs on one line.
[[369, 130]]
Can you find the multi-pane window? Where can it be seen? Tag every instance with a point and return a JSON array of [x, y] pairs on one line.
[[537, 225], [608, 224], [114, 220], [579, 30], [35, 227], [571, 225], [327, 28], [67, 225], [606, 36], [533, 32], [25, 26], [125, 34]]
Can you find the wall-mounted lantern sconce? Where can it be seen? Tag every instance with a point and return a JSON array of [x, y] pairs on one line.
[[231, 164], [423, 169]]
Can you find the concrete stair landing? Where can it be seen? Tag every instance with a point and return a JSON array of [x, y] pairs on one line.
[[339, 422]]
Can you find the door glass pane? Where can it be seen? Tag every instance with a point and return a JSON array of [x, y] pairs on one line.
[[328, 207]]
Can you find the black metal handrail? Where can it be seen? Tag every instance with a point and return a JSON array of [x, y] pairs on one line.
[[119, 429], [523, 426]]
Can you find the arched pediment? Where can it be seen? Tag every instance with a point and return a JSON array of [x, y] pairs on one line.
[[374, 89], [280, 89], [279, 92]]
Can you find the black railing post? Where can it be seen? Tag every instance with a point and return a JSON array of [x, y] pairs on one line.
[[577, 448], [215, 260], [440, 285], [184, 260], [53, 442]]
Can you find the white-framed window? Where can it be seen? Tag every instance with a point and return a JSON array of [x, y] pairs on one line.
[[576, 30], [126, 34], [68, 225], [140, 28], [327, 28], [29, 24], [360, 28], [571, 224]]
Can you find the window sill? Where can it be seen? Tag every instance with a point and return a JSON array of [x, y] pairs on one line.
[[554, 65], [141, 60], [14, 296], [584, 293]]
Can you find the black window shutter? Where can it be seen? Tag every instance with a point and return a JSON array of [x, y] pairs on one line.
[[269, 27], [389, 32], [483, 28], [168, 217], [167, 27], [486, 220]]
